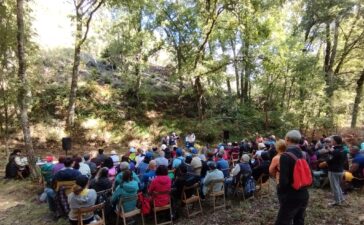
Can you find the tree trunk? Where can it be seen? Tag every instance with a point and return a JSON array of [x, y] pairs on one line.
[[237, 78], [24, 92], [359, 93], [5, 107], [228, 85], [247, 70], [199, 97], [75, 70]]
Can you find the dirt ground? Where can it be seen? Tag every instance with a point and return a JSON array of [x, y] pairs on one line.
[[19, 206]]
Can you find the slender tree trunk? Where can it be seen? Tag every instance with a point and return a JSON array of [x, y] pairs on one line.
[[228, 85], [75, 72], [247, 71], [359, 94], [236, 69], [5, 107], [24, 92]]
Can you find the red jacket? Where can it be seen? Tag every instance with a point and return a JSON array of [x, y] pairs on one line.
[[160, 184]]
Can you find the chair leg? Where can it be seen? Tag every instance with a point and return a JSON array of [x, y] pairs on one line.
[[155, 217], [199, 202], [124, 220], [142, 219]]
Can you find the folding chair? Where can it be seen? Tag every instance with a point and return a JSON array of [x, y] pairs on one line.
[[239, 187], [121, 213], [195, 198], [215, 194], [162, 208], [67, 185], [92, 209], [259, 184]]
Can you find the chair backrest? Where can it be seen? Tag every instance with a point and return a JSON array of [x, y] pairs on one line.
[[104, 192], [81, 211], [125, 200], [155, 194], [216, 182], [185, 188], [67, 185]]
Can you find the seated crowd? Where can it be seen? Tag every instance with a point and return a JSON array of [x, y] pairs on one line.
[[168, 169]]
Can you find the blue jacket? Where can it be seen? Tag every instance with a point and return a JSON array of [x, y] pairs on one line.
[[126, 189]]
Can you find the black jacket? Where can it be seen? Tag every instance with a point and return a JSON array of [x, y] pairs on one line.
[[336, 160], [285, 190]]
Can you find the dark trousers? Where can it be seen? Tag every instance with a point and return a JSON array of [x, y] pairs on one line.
[[291, 211]]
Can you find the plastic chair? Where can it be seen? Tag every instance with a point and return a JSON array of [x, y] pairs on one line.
[[161, 208], [124, 215], [195, 198], [92, 209], [215, 194]]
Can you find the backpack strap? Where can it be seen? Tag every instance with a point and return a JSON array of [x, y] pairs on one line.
[[290, 154]]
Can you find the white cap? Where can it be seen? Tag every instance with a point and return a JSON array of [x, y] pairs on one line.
[[163, 146], [113, 152]]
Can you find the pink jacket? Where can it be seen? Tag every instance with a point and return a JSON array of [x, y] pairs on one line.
[[160, 184]]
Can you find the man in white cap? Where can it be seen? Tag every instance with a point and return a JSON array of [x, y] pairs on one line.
[[115, 158]]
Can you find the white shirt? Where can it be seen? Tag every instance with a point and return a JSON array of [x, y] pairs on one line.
[[115, 159]]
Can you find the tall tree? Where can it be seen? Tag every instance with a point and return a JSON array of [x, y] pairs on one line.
[[84, 10], [358, 96], [24, 92]]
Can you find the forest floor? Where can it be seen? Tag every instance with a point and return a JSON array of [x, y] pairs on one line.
[[19, 206]]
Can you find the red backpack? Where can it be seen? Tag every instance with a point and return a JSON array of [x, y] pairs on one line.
[[302, 176]]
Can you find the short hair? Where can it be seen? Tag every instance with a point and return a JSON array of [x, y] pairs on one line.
[[162, 153], [109, 163], [101, 151], [124, 166], [162, 171], [68, 161], [61, 159], [86, 156], [211, 165], [152, 163], [293, 136], [338, 140]]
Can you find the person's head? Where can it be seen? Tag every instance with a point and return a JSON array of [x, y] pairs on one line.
[[188, 159], [68, 161], [194, 151], [127, 176], [152, 165], [245, 158], [336, 140], [16, 152], [113, 152], [49, 159], [86, 157], [179, 152], [261, 146], [61, 159], [354, 150], [183, 169], [280, 146], [154, 149], [220, 155], [265, 156], [162, 154], [211, 165], [81, 183], [162, 171], [163, 146], [293, 137], [109, 163], [125, 158], [102, 173], [124, 166], [101, 151]]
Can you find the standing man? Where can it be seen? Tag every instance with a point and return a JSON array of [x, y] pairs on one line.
[[292, 202], [335, 163]]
